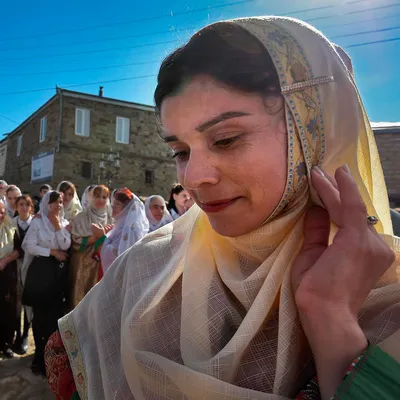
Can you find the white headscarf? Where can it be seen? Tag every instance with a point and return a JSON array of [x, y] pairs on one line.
[[85, 196], [131, 224], [44, 214], [82, 223], [74, 207], [10, 211], [154, 224]]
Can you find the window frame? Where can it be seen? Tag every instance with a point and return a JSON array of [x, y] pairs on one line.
[[42, 137], [151, 180], [19, 144], [128, 133], [84, 111]]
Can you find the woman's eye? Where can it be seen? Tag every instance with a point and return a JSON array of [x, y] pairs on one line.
[[180, 155], [225, 142]]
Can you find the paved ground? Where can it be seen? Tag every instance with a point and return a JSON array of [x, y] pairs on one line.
[[17, 381]]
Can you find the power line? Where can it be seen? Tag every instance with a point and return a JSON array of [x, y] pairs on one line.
[[366, 32], [152, 76], [171, 14], [354, 12], [375, 42], [80, 84], [10, 119], [360, 21], [153, 44], [92, 51], [157, 61], [134, 21], [82, 69]]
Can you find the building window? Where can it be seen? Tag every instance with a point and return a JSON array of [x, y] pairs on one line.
[[19, 145], [82, 122], [149, 177], [122, 130], [43, 129], [87, 170]]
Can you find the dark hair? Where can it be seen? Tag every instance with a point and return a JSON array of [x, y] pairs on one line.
[[28, 200], [227, 53], [124, 195], [176, 189], [44, 187], [99, 189], [91, 187], [66, 186], [54, 196]]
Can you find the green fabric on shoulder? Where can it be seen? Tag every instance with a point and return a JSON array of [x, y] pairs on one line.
[[376, 376]]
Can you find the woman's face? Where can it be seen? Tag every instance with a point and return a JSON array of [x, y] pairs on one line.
[[2, 212], [181, 198], [24, 209], [68, 196], [12, 196], [100, 200], [117, 207], [56, 207], [231, 152], [157, 208]]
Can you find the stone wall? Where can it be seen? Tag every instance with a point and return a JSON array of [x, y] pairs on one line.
[[389, 152], [18, 168], [145, 150]]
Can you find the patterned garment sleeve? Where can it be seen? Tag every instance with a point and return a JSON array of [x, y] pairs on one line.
[[58, 369]]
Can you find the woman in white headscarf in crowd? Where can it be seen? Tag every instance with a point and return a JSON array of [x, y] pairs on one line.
[[8, 283], [85, 268], [131, 224], [286, 267], [47, 240], [72, 205], [12, 193], [157, 212], [87, 196]]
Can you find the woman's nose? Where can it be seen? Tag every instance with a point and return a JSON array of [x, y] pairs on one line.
[[200, 169]]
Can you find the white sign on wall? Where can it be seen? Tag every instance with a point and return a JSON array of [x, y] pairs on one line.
[[42, 167]]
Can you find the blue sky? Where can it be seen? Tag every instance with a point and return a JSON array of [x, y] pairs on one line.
[[48, 43]]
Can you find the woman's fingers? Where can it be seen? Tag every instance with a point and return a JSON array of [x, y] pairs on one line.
[[354, 210], [328, 194]]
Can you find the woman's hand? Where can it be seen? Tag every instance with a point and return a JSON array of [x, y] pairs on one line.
[[3, 264], [108, 228], [331, 283], [56, 221], [98, 231], [60, 255], [69, 228]]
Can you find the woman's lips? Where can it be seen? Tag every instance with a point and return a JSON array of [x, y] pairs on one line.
[[218, 205]]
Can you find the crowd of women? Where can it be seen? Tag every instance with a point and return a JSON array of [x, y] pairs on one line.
[[54, 248]]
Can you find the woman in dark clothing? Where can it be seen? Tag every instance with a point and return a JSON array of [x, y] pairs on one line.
[[8, 283], [24, 206]]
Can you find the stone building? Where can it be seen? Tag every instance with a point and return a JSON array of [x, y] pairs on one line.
[[68, 136], [387, 136]]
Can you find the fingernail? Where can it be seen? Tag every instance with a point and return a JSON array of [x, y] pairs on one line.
[[318, 170], [346, 169]]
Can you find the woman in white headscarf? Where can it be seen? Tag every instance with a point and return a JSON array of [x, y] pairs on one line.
[[157, 212], [131, 225], [46, 237], [72, 205], [12, 193], [285, 268], [87, 196], [85, 268], [8, 283]]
